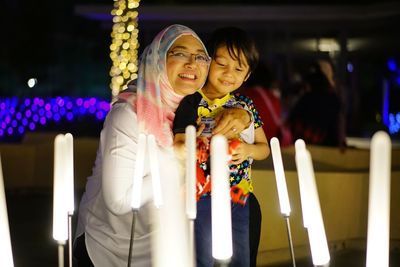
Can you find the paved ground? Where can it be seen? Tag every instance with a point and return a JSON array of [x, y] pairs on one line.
[[30, 215]]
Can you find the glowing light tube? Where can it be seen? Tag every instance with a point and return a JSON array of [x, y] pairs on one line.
[[301, 146], [190, 142], [69, 172], [315, 225], [220, 200], [280, 177], [170, 239], [60, 213], [154, 169], [138, 175], [379, 201], [5, 239]]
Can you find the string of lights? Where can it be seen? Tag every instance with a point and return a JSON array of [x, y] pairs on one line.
[[124, 45]]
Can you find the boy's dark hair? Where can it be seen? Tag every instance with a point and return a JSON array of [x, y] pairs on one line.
[[236, 41]]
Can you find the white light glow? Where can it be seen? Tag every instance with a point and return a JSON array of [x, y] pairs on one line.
[[169, 238], [301, 146], [5, 239], [32, 82], [154, 169], [138, 176], [280, 177], [60, 213], [220, 200], [190, 142], [313, 217], [328, 45], [69, 172], [379, 201]]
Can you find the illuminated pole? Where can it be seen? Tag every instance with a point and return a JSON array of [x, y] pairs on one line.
[[145, 143], [155, 170], [191, 208], [124, 45], [137, 188], [379, 201], [311, 208], [60, 213], [299, 146], [282, 190], [69, 179], [5, 239], [220, 202]]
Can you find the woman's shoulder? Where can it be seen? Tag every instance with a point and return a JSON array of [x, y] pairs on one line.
[[121, 114]]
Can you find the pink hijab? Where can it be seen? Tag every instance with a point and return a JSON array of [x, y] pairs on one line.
[[155, 101]]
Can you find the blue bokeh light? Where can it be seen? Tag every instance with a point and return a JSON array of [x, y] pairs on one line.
[[391, 64], [18, 116], [394, 123], [350, 67]]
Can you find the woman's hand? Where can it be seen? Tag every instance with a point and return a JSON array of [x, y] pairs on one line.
[[231, 122]]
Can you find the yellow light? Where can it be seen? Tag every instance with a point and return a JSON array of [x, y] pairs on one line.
[[122, 65], [116, 19], [113, 47], [130, 28], [124, 45], [131, 67], [119, 80], [126, 75]]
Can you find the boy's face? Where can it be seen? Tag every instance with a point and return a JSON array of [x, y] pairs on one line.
[[226, 74]]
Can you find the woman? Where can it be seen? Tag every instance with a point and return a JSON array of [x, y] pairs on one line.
[[105, 215]]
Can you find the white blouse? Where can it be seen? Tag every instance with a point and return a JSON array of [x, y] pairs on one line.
[[105, 214]]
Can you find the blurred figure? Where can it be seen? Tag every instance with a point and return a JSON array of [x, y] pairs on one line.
[[264, 90], [317, 116]]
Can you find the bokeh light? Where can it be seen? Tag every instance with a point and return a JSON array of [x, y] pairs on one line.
[[17, 116]]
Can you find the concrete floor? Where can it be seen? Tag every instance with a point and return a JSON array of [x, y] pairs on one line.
[[30, 216]]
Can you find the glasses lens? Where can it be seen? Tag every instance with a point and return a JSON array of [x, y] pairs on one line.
[[186, 56], [201, 59], [180, 55]]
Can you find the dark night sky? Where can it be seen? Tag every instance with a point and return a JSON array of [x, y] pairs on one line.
[[69, 54]]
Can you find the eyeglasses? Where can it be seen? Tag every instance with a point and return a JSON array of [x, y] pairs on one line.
[[185, 56]]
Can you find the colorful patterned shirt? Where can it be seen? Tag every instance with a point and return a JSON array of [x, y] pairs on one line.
[[197, 106]]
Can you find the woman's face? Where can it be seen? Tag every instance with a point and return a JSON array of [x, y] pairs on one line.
[[186, 67]]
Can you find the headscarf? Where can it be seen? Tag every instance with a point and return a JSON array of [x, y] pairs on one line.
[[155, 101]]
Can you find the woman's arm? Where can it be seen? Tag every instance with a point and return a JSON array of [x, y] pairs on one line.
[[232, 121], [119, 147]]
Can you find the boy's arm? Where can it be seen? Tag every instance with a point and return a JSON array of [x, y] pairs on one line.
[[258, 151]]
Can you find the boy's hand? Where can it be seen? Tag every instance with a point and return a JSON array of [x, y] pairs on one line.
[[200, 127], [240, 153]]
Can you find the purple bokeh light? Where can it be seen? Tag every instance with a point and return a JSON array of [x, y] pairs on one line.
[[19, 115]]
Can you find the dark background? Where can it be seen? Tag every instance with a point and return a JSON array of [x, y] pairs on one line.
[[65, 44]]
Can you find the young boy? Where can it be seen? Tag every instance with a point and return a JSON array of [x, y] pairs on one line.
[[234, 57]]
